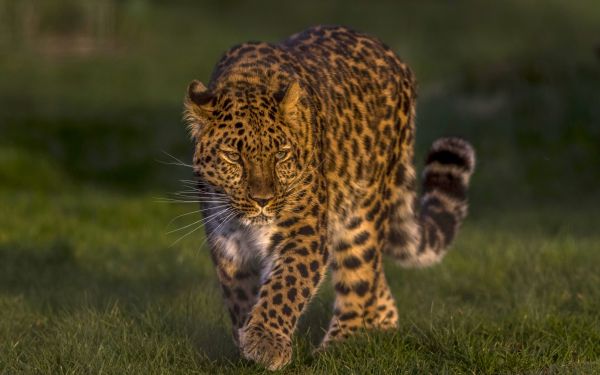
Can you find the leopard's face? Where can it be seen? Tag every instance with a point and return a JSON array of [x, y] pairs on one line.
[[245, 149]]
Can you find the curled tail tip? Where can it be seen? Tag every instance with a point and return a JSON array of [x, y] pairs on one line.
[[443, 205], [448, 169], [452, 151]]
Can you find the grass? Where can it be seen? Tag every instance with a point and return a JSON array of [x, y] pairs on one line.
[[89, 284], [90, 281]]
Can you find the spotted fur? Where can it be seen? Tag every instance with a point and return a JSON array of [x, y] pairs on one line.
[[309, 146]]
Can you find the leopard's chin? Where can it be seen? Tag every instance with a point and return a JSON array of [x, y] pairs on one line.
[[258, 220]]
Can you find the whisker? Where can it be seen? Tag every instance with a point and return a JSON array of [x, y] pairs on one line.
[[187, 199], [191, 182], [187, 226], [202, 221], [171, 200], [226, 220], [190, 232], [215, 215], [198, 193], [230, 214], [179, 162], [193, 185], [197, 188], [194, 212]]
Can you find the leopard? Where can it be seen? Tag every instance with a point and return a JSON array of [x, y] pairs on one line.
[[303, 156]]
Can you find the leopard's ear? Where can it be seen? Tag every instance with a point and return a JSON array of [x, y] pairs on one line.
[[198, 105], [289, 99]]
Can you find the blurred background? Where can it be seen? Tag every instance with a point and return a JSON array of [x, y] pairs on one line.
[[91, 90], [90, 102]]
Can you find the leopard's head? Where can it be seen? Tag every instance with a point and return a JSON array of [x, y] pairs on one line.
[[251, 145]]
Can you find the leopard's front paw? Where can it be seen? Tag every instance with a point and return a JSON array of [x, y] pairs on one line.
[[271, 349]]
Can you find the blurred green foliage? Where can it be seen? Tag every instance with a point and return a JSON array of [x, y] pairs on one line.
[[96, 86]]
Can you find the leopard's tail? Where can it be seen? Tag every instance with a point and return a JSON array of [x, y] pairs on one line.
[[420, 236]]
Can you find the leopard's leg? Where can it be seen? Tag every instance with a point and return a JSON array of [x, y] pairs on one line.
[[239, 275], [298, 252], [363, 298], [239, 284]]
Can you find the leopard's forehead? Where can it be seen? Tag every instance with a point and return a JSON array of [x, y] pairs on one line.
[[247, 119]]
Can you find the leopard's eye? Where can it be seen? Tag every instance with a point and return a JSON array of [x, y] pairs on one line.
[[281, 154], [231, 156]]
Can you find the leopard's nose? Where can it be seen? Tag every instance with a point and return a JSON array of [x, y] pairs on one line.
[[262, 200]]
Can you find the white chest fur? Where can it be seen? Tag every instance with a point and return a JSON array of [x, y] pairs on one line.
[[243, 244]]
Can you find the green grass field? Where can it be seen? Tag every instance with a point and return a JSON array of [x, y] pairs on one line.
[[91, 282]]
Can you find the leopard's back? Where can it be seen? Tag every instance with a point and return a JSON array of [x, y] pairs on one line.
[[365, 93]]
